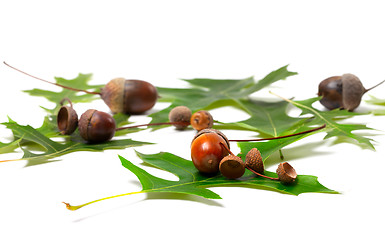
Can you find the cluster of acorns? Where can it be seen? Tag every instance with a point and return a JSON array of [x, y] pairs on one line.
[[210, 149], [210, 154]]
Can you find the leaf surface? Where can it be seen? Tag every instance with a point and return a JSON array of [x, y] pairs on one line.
[[51, 149], [269, 118], [80, 82], [191, 181], [334, 129], [208, 92]]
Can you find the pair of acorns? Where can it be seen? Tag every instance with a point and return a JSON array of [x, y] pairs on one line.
[[210, 154], [94, 126]]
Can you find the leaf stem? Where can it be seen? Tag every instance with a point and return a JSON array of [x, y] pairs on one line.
[[261, 175], [367, 90], [53, 83], [66, 99], [285, 136], [257, 173], [73, 208], [153, 124]]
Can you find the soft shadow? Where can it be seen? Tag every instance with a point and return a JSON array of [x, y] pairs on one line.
[[106, 211], [295, 153], [342, 139], [157, 196], [182, 196], [255, 187]]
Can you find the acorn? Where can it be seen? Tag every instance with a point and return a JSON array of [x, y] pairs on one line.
[[129, 96], [344, 92], [286, 173], [180, 114], [96, 126], [201, 120], [208, 148], [232, 167], [120, 95], [67, 119], [254, 161]]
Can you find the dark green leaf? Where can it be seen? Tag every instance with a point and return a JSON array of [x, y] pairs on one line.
[[191, 181], [52, 149], [269, 118], [207, 92]]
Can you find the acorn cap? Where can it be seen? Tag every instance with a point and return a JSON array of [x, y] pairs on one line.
[[352, 91], [211, 130], [286, 173], [67, 120], [84, 122], [232, 167], [254, 160], [112, 94], [180, 114]]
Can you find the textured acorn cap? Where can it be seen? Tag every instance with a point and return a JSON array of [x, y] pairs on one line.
[[180, 114], [286, 173], [352, 91], [84, 121], [67, 120], [211, 130], [232, 167], [113, 93], [254, 160]]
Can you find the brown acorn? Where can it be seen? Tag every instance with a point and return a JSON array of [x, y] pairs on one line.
[[208, 148], [201, 120], [343, 92], [232, 167], [129, 96], [254, 161], [120, 95], [96, 126], [180, 114], [286, 173]]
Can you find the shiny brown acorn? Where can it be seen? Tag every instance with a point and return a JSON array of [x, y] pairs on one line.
[[207, 150], [96, 126], [121, 95]]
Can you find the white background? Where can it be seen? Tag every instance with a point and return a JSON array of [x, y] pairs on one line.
[[162, 41]]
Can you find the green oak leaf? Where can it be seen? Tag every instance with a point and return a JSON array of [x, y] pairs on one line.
[[267, 148], [80, 82], [330, 118], [210, 92], [269, 118], [191, 181], [9, 147], [377, 101], [51, 149]]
